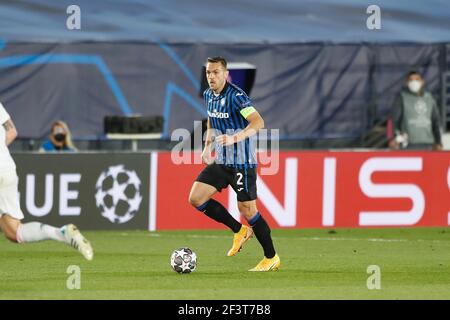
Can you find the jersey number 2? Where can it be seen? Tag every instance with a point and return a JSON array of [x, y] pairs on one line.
[[239, 180]]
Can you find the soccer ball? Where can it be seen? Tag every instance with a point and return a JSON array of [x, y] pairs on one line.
[[183, 260]]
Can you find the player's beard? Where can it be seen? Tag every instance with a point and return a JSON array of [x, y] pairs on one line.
[[216, 86]]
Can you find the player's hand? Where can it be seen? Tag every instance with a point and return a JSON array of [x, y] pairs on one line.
[[207, 156], [437, 147], [226, 140]]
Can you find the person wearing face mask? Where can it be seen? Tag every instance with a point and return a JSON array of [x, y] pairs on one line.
[[59, 139], [415, 117]]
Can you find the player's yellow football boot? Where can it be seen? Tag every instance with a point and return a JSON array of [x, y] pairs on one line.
[[239, 239], [268, 264]]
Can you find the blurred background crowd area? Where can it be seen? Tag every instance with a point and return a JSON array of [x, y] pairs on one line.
[[134, 70]]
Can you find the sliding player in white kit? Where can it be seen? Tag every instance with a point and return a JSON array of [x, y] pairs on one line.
[[10, 212]]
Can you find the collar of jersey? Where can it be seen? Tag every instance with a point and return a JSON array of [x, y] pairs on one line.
[[222, 93]]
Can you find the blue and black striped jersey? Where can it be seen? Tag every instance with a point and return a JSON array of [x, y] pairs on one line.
[[226, 114]]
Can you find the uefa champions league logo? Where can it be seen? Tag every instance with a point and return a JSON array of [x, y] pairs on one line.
[[118, 194]]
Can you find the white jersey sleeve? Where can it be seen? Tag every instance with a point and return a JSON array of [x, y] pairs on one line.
[[6, 161], [4, 116]]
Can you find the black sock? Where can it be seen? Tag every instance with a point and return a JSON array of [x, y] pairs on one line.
[[262, 233], [216, 211]]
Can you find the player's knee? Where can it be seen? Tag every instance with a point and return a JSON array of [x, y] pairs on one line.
[[195, 200], [9, 227], [247, 209], [244, 207], [11, 236]]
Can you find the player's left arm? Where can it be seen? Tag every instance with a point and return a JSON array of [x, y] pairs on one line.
[[11, 131], [255, 123]]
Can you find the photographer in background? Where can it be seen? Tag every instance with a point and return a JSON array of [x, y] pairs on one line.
[[415, 117], [60, 139]]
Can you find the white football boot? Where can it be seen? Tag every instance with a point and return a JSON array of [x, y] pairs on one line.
[[75, 239]]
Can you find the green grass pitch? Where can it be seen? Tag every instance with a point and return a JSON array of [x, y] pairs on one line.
[[316, 264]]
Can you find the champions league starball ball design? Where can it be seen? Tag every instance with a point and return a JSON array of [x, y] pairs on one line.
[[183, 260]]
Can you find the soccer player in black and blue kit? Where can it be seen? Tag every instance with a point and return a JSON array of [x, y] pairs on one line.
[[232, 123]]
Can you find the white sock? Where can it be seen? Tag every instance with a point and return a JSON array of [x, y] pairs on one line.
[[35, 231]]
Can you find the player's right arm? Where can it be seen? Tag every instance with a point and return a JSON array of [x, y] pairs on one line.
[[10, 131], [207, 151], [8, 125]]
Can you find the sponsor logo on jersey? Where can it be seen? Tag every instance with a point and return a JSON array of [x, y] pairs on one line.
[[221, 115]]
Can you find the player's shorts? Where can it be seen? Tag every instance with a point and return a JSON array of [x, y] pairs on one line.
[[243, 181], [9, 194]]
